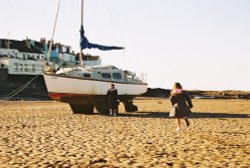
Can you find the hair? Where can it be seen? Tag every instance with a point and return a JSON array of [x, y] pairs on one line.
[[112, 85], [177, 85]]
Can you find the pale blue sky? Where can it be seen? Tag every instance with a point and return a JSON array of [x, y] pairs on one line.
[[204, 44]]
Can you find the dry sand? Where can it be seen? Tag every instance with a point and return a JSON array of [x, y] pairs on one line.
[[47, 134]]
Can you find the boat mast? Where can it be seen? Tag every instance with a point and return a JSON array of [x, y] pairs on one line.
[[8, 45], [81, 53], [54, 29]]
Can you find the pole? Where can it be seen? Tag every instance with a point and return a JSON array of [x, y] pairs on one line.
[[81, 53]]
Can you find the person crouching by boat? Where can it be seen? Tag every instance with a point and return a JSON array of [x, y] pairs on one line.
[[112, 100], [182, 102]]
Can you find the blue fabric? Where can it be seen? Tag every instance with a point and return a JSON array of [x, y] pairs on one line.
[[86, 44], [54, 53]]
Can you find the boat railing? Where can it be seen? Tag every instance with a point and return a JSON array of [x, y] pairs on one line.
[[143, 77]]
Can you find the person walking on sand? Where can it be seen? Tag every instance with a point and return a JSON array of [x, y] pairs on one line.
[[182, 102], [112, 100]]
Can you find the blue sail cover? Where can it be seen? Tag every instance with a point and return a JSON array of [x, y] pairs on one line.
[[86, 44]]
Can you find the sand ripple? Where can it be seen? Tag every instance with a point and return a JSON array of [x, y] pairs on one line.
[[47, 134]]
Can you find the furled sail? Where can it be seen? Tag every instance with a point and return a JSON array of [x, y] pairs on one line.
[[86, 44]]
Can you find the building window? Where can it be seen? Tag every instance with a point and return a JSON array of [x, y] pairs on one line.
[[29, 68], [106, 75], [20, 67], [117, 76], [33, 68], [39, 67], [15, 67], [25, 67], [86, 75]]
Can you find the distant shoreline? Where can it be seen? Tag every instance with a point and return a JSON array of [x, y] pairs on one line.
[[201, 94]]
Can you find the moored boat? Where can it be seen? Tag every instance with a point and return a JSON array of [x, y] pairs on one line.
[[85, 87]]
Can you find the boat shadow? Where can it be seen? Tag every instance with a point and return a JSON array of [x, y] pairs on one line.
[[193, 115]]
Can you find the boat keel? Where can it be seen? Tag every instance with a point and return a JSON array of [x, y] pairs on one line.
[[129, 106], [101, 106], [82, 108]]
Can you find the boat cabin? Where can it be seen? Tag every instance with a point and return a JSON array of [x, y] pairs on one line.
[[101, 73]]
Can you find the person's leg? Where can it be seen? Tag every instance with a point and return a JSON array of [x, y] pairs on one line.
[[178, 124], [187, 122], [114, 112], [110, 111]]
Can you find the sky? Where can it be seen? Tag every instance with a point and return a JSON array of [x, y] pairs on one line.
[[203, 44]]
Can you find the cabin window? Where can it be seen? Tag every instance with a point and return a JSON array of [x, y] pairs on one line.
[[20, 67], [86, 75], [33, 68], [106, 75], [25, 67], [15, 67], [117, 76]]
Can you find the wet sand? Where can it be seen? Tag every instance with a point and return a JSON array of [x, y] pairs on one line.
[[48, 134]]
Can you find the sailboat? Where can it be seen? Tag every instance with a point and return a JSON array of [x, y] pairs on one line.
[[86, 87]]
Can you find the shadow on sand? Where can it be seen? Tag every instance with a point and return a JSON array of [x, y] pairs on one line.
[[193, 115], [218, 115]]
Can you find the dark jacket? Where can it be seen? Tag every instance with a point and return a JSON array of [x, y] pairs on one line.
[[182, 102], [112, 98]]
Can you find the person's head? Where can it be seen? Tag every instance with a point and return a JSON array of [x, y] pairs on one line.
[[112, 86], [177, 85]]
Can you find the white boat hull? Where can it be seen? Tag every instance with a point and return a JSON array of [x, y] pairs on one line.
[[61, 86]]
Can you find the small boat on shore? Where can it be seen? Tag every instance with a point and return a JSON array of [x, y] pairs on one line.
[[85, 87]]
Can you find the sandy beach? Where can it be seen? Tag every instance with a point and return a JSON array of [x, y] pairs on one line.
[[48, 134]]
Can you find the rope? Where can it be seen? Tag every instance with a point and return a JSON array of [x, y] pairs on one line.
[[19, 89]]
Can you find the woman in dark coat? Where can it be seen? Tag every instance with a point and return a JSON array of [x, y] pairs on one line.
[[182, 102], [112, 100]]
